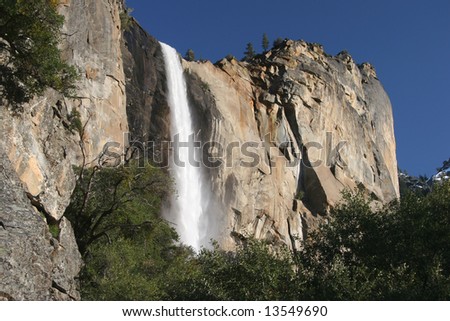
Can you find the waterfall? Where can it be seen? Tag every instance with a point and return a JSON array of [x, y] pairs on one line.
[[186, 206]]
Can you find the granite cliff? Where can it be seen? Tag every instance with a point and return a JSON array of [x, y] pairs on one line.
[[315, 123], [41, 148], [319, 124]]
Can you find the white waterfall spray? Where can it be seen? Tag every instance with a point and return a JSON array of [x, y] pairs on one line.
[[187, 205]]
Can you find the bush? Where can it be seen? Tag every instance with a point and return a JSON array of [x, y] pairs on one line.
[[125, 18], [253, 272]]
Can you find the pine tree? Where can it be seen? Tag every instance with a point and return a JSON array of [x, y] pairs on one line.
[[249, 52], [265, 42], [189, 56]]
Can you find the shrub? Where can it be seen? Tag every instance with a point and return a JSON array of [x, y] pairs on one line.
[[125, 18], [253, 272]]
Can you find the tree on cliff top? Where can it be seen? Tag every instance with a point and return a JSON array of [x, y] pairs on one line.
[[190, 55], [265, 42], [249, 52], [278, 42], [30, 60]]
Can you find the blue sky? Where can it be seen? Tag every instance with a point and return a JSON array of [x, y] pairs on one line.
[[408, 42]]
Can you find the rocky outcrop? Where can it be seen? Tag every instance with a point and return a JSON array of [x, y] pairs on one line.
[[34, 265], [304, 126], [44, 142]]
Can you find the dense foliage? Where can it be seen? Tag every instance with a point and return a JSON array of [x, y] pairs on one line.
[[127, 248], [31, 60], [253, 272], [397, 252], [401, 251]]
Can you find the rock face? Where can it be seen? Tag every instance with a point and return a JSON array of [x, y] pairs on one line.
[[304, 126], [147, 107], [42, 145], [33, 264], [93, 43]]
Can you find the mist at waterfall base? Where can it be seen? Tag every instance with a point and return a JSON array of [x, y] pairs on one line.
[[189, 208]]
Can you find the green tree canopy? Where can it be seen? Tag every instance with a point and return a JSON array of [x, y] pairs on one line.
[[398, 252], [31, 60], [233, 275], [110, 201], [129, 251]]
